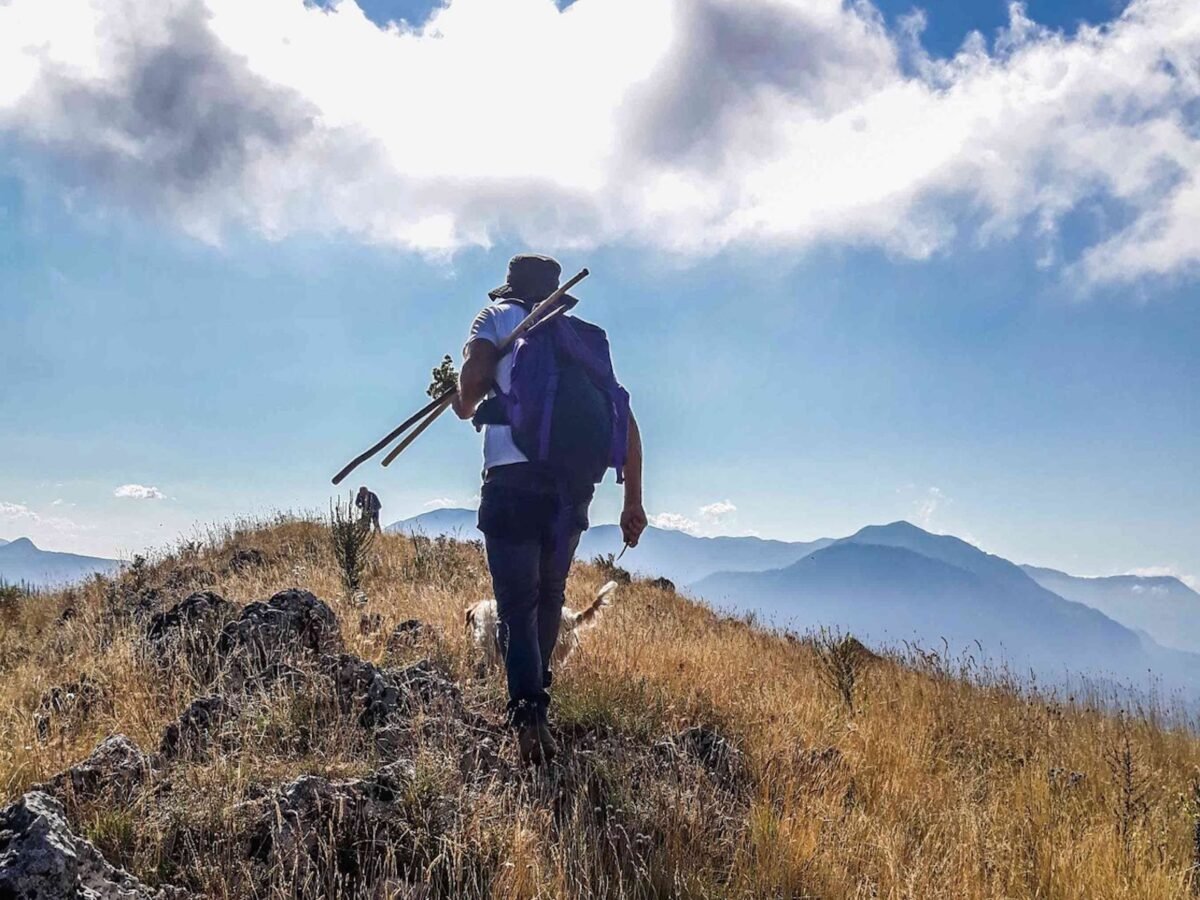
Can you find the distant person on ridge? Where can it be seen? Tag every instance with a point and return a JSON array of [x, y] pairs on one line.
[[369, 503], [570, 423]]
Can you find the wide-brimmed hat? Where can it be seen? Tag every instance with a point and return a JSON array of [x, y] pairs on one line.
[[531, 276]]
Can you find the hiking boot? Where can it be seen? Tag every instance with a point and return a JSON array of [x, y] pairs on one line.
[[529, 745], [546, 739]]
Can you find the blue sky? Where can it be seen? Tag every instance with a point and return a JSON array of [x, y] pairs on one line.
[[1005, 352]]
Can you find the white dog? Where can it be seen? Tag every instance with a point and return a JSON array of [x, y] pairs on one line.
[[483, 622]]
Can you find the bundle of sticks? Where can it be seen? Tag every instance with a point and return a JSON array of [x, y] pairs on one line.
[[553, 306]]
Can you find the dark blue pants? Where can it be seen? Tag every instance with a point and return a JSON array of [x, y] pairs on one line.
[[530, 543]]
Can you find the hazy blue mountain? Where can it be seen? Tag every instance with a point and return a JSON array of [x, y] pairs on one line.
[[685, 558], [3, 542], [681, 557], [449, 522], [897, 582], [23, 563], [1162, 606]]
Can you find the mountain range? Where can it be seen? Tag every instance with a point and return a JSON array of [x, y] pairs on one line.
[[21, 562], [1160, 605], [897, 582], [681, 557]]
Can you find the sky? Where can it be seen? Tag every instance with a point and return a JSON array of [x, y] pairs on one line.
[[858, 262]]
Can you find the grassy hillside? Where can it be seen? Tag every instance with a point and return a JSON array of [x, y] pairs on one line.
[[704, 757]]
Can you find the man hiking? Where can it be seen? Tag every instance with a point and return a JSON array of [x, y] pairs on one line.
[[369, 503], [554, 420]]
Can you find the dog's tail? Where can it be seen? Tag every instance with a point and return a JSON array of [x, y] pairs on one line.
[[601, 601]]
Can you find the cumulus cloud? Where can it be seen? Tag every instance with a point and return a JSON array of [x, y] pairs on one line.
[[674, 522], [14, 511], [712, 519], [719, 122], [138, 492], [439, 503], [717, 512]]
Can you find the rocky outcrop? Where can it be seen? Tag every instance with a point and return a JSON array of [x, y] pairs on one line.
[[194, 731], [362, 688], [291, 625], [41, 858], [202, 611], [115, 770], [377, 695], [426, 683], [245, 559], [317, 828], [188, 632]]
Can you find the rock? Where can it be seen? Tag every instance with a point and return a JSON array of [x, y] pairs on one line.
[[320, 830], [115, 770], [70, 704], [663, 584], [380, 695], [706, 747], [188, 633], [362, 688], [292, 623], [125, 602], [246, 558], [407, 634], [424, 682], [192, 733], [204, 610], [42, 859]]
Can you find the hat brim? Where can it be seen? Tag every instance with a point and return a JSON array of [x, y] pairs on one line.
[[506, 292]]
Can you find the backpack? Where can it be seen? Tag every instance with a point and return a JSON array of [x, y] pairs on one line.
[[564, 404]]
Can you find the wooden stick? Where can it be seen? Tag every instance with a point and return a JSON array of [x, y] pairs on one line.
[[416, 432], [392, 435], [541, 311], [562, 308]]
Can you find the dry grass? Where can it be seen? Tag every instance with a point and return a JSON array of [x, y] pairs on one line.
[[930, 787]]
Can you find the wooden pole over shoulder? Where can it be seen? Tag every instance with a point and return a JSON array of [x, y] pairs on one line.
[[435, 408]]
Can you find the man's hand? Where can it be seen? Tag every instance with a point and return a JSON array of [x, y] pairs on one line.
[[476, 378], [633, 523]]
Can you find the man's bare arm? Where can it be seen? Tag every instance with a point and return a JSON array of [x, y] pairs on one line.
[[633, 516], [477, 376]]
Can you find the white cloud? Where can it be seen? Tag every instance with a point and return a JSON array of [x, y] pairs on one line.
[[14, 511], [438, 503], [1169, 571], [37, 523], [717, 512], [674, 522], [138, 492], [719, 122]]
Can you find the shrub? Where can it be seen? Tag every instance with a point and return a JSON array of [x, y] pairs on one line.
[[351, 539]]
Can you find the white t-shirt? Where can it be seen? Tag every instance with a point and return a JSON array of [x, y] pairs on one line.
[[495, 323]]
